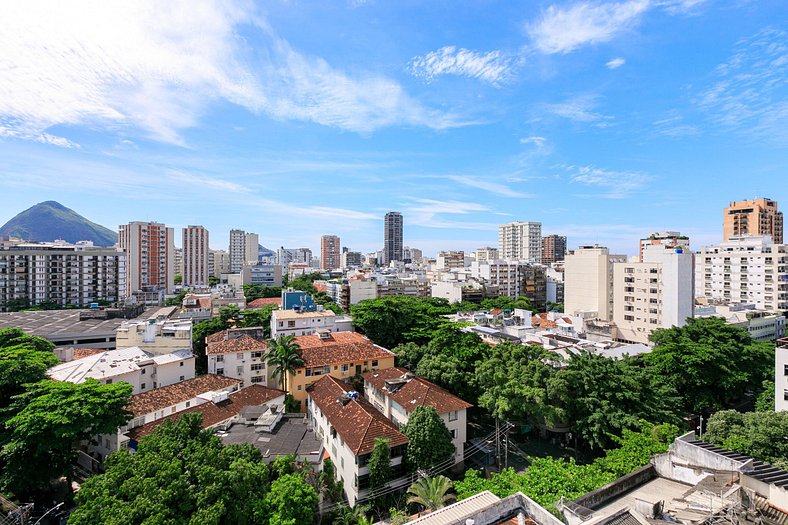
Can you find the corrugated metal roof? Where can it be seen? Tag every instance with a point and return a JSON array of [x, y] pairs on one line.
[[458, 511]]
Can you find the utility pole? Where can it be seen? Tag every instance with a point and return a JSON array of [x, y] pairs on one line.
[[506, 446], [497, 444], [700, 427]]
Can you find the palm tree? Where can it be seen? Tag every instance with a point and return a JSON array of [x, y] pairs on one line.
[[284, 356], [431, 492]]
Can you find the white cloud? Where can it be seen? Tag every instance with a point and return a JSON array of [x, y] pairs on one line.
[[205, 182], [157, 67], [493, 187], [492, 67], [749, 93], [580, 109], [562, 30], [674, 126], [535, 140], [615, 63], [615, 184], [680, 6], [426, 213]]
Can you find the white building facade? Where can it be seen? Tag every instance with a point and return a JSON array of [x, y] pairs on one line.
[[195, 256], [520, 241]]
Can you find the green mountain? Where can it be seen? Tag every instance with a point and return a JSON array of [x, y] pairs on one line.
[[50, 220]]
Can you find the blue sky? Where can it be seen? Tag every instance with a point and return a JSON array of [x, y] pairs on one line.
[[603, 120]]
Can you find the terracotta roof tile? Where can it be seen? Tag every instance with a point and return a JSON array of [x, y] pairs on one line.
[[166, 396], [496, 311], [541, 321], [416, 392], [79, 353], [238, 344], [264, 301], [215, 413], [340, 347], [215, 338], [357, 421]]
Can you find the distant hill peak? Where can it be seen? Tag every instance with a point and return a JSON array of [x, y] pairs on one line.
[[50, 220]]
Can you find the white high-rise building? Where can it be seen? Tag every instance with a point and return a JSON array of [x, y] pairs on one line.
[[655, 293], [520, 241], [243, 250], [195, 256], [503, 274], [744, 270], [588, 281], [251, 249], [150, 256], [218, 262]]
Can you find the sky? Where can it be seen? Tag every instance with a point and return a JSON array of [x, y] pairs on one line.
[[605, 121]]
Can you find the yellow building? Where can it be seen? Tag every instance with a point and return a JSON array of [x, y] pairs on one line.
[[339, 354]]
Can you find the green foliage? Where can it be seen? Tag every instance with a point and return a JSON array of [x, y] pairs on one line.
[[16, 337], [21, 364], [283, 465], [549, 479], [709, 363], [180, 475], [284, 357], [213, 280], [178, 299], [379, 464], [757, 434], [257, 291], [765, 400], [431, 492], [304, 282], [291, 501], [330, 486], [259, 317], [391, 321], [178, 279], [606, 396], [429, 441], [50, 419]]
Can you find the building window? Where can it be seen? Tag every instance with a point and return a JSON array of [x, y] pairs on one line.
[[785, 395], [220, 359], [300, 387], [785, 370], [220, 371], [374, 362], [258, 379], [344, 368], [258, 366], [257, 355], [182, 378], [326, 369], [454, 433], [142, 371], [188, 404], [108, 381], [453, 415], [308, 372], [181, 363], [142, 386], [291, 324], [239, 355]]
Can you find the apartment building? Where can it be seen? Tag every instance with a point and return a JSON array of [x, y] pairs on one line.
[[218, 263], [262, 274], [240, 354], [195, 256], [553, 249], [486, 254], [392, 238], [397, 286], [744, 270], [588, 281], [348, 426], [157, 335], [286, 256], [350, 259], [781, 376], [179, 261], [330, 252], [761, 325], [243, 249], [352, 291], [666, 239], [655, 293], [300, 322], [521, 241], [339, 354], [60, 273], [143, 370], [396, 392], [150, 256], [413, 255], [450, 260], [753, 217]]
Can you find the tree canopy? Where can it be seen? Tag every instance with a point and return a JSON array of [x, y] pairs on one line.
[[761, 435], [379, 464], [390, 321], [429, 441]]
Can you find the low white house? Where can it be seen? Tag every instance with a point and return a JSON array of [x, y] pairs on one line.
[[396, 392], [143, 370], [348, 425], [294, 322], [239, 355]]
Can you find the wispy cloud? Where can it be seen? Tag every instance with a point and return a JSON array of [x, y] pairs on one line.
[[487, 185], [157, 68], [205, 182], [615, 63], [562, 30], [580, 109], [749, 95], [492, 67], [535, 140], [614, 184], [674, 126], [427, 213]]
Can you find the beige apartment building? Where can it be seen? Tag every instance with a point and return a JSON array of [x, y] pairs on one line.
[[450, 260], [486, 254], [195, 256], [753, 217], [588, 281], [330, 252], [150, 256], [655, 293], [744, 270], [521, 241]]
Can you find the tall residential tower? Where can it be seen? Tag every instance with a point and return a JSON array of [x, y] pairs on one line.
[[195, 256], [520, 241], [392, 237], [753, 217], [330, 252], [150, 256]]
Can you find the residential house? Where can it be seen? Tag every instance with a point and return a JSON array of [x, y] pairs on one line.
[[299, 322], [240, 354]]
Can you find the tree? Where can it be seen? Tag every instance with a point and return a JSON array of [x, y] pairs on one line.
[[605, 396], [21, 364], [709, 363], [635, 449], [431, 493], [51, 419], [16, 337], [178, 279], [757, 434], [390, 321], [765, 400], [379, 464], [429, 441], [331, 487], [177, 300], [213, 280], [256, 291], [284, 356], [291, 501], [259, 317], [180, 475]]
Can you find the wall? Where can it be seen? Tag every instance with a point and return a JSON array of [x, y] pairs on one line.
[[597, 498]]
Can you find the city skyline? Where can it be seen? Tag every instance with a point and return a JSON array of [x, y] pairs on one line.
[[604, 121]]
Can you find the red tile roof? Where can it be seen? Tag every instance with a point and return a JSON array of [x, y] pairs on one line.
[[541, 321], [264, 301], [79, 353], [357, 421], [166, 396], [496, 311], [215, 338], [238, 344], [215, 413], [340, 347], [416, 392]]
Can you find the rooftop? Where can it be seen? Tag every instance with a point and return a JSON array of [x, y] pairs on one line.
[[338, 347], [411, 391], [160, 398], [263, 301], [239, 344], [293, 435], [355, 420], [111, 363], [60, 324], [284, 315], [215, 413], [485, 508]]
